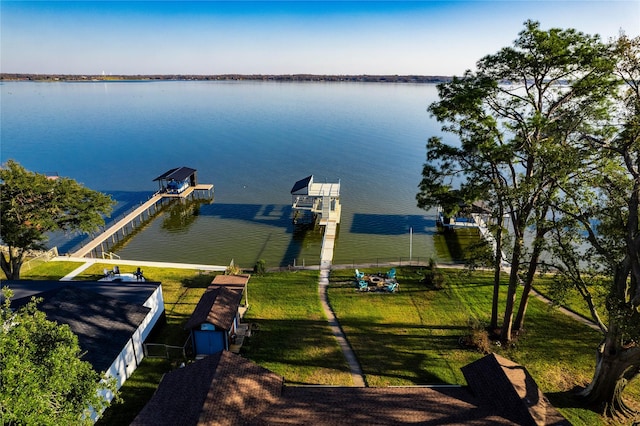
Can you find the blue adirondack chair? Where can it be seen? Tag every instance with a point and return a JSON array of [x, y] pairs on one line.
[[391, 273], [363, 285], [392, 287], [359, 275]]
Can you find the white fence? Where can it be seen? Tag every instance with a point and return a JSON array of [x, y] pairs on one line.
[[34, 257]]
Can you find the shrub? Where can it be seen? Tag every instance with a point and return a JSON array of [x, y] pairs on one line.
[[477, 338], [260, 268], [233, 269], [433, 278]]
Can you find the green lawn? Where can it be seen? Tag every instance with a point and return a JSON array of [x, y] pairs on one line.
[[49, 271], [409, 337], [294, 339], [399, 338], [571, 299]]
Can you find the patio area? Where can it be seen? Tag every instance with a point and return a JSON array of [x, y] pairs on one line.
[[384, 282]]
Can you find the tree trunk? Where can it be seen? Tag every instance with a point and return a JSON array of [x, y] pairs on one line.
[[615, 367], [505, 333], [11, 267], [528, 284], [497, 268]]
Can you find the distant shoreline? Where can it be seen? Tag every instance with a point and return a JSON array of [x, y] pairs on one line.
[[229, 77]]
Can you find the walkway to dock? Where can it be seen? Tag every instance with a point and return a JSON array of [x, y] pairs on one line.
[[326, 258], [112, 230], [130, 218]]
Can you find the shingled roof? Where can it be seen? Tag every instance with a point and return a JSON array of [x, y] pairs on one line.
[[226, 389], [217, 306], [231, 280], [509, 388], [390, 406], [221, 389], [103, 324]]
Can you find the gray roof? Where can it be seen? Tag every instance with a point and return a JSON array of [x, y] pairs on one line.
[[102, 323], [136, 293], [178, 173], [301, 184]]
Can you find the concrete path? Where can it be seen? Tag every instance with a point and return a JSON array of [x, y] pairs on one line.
[[350, 356]]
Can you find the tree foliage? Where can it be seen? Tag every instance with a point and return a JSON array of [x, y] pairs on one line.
[[517, 119], [597, 237], [549, 133], [32, 205], [43, 379]]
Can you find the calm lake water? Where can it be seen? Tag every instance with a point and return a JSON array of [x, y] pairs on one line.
[[253, 141]]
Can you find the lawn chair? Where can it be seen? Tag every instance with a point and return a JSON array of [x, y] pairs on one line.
[[391, 273], [363, 285], [392, 287], [359, 275]]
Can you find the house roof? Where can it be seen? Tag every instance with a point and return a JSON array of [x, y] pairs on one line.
[[136, 294], [231, 280], [178, 173], [300, 187], [226, 389], [103, 324], [221, 389], [512, 390], [217, 306], [378, 406]]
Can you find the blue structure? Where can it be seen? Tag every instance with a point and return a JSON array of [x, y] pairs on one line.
[[216, 318]]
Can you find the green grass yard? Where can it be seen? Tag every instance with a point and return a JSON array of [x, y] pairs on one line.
[[412, 337], [405, 338]]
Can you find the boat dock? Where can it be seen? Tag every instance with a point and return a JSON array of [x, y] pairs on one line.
[[179, 183], [322, 201]]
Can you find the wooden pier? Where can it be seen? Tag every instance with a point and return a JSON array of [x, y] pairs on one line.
[[112, 235]]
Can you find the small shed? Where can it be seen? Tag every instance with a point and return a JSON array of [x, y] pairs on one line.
[[176, 180], [216, 318]]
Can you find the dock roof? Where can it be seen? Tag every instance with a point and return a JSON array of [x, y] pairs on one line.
[[307, 186], [179, 173], [301, 186]]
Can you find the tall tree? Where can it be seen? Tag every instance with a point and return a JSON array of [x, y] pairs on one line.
[[515, 117], [43, 379], [597, 237], [31, 205]]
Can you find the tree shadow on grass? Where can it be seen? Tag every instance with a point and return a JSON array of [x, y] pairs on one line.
[[198, 281], [398, 353]]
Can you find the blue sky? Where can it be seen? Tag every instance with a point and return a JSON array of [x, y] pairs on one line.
[[338, 37]]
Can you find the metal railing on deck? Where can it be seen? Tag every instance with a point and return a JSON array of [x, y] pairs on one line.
[[161, 350]]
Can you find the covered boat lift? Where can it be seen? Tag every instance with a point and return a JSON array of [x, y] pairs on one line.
[[321, 199], [177, 180]]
